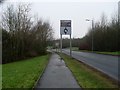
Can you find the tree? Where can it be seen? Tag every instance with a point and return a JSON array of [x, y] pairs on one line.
[[22, 37], [42, 34], [105, 35]]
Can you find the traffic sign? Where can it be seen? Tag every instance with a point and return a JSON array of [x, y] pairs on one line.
[[65, 27]]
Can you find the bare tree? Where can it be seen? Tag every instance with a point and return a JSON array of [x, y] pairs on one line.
[[103, 21], [21, 36], [17, 23]]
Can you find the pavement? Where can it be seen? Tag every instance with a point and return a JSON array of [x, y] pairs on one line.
[[107, 64], [57, 75]]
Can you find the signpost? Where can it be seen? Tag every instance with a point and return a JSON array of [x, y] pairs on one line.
[[65, 29], [57, 46]]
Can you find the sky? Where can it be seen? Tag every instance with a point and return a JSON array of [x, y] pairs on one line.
[[75, 10]]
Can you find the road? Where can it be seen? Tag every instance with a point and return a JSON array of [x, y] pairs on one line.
[[106, 63]]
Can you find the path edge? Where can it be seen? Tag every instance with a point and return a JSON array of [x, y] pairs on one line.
[[71, 72], [34, 86]]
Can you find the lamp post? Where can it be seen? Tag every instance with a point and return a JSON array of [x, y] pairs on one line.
[[92, 32], [119, 12]]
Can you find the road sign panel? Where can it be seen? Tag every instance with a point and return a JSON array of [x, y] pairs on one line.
[[65, 30], [65, 27]]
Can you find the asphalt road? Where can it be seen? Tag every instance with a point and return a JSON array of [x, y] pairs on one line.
[[108, 64]]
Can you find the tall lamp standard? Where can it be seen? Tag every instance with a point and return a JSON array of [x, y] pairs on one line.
[[119, 12], [92, 32]]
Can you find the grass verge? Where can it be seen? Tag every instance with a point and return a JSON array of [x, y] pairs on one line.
[[109, 53], [0, 76], [23, 74], [86, 77], [117, 53]]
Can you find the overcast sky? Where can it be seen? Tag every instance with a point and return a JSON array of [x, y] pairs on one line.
[[75, 10]]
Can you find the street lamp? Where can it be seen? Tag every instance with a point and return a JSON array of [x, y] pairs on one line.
[[119, 12], [92, 32]]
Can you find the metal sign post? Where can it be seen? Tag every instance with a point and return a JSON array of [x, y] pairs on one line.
[[70, 46], [65, 29], [61, 43]]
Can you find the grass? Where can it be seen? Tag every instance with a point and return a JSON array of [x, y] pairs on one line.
[[108, 53], [23, 74], [75, 48], [0, 76], [86, 77]]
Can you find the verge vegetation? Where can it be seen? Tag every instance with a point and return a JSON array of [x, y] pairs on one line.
[[117, 53], [23, 74], [22, 35], [87, 77]]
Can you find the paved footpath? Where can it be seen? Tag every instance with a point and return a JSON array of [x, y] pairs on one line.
[[57, 75]]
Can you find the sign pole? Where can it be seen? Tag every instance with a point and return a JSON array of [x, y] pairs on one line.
[[61, 43], [70, 46]]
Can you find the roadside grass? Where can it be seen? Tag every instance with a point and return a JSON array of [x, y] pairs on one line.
[[86, 77], [23, 74], [0, 76], [107, 53], [75, 48]]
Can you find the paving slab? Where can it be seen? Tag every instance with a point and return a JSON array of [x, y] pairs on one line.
[[57, 75]]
